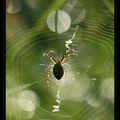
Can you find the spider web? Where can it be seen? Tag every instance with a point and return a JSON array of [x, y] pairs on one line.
[[24, 54]]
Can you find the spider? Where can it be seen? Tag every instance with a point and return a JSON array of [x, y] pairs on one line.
[[58, 70]]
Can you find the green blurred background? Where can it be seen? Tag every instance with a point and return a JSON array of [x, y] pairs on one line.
[[87, 88]]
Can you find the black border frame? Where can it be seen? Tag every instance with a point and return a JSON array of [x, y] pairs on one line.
[[116, 61], [2, 59]]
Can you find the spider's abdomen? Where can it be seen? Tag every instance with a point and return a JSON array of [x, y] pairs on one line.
[[58, 71]]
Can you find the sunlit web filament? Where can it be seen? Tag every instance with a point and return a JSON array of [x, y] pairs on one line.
[[56, 107], [68, 42]]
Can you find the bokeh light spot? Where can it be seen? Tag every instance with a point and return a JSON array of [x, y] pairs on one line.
[[58, 21], [27, 100], [14, 6]]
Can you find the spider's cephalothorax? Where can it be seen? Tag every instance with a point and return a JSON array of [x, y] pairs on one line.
[[58, 70]]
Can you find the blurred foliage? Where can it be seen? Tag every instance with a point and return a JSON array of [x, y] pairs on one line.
[[88, 94]]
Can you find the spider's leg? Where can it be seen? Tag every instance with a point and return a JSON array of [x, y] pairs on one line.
[[51, 58], [66, 55], [63, 59], [49, 54]]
